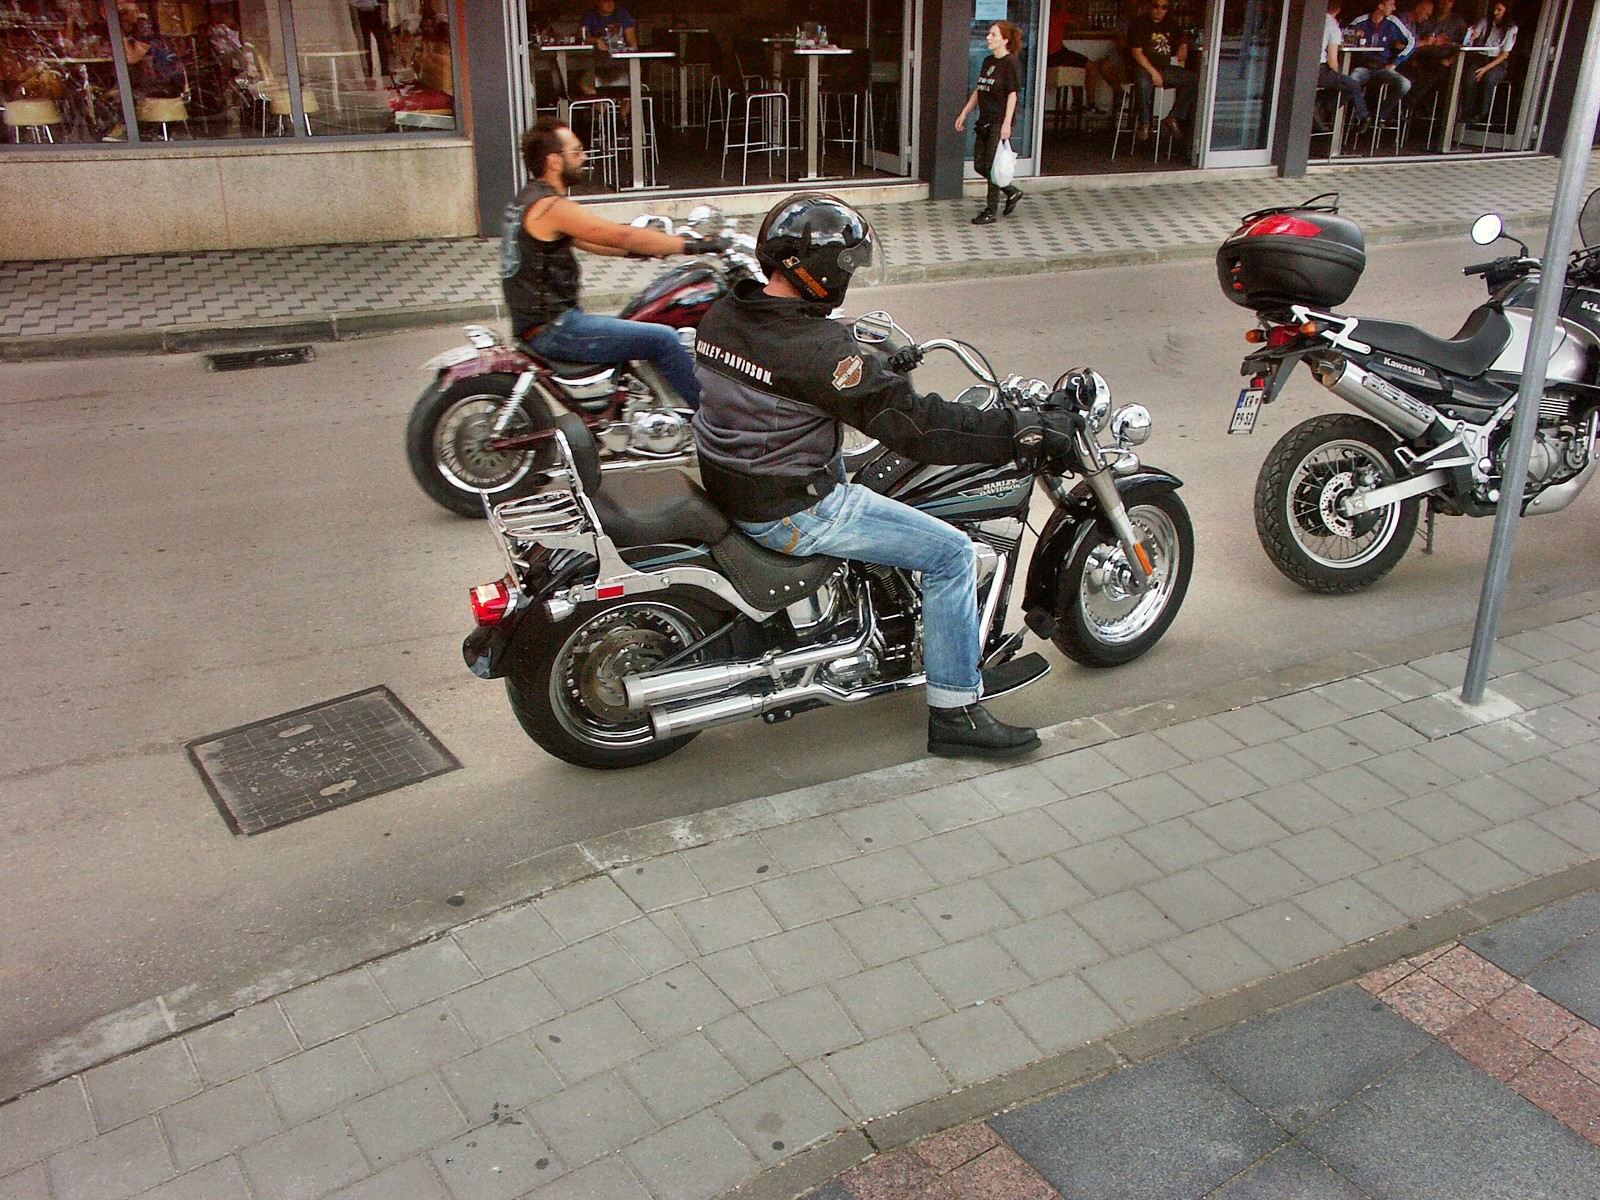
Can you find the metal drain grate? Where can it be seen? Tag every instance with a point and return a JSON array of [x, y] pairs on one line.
[[316, 759], [274, 356]]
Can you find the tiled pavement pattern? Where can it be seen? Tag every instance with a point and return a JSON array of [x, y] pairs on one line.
[[1334, 1097], [350, 288], [930, 944]]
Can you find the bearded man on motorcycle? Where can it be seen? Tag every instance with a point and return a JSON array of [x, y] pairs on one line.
[[778, 381], [540, 276]]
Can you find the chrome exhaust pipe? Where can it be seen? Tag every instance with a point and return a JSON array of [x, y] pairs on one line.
[[1375, 396], [671, 723], [656, 688]]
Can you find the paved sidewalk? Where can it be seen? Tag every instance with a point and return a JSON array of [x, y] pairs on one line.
[[179, 302], [760, 998]]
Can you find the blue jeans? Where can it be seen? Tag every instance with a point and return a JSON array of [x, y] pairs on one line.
[[856, 522], [1397, 84], [577, 336]]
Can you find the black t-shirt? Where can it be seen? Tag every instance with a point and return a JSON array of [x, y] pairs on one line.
[[997, 79], [1159, 41]]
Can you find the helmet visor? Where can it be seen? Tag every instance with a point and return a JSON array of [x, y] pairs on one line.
[[864, 262]]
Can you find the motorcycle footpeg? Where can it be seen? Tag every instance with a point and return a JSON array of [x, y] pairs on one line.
[[1016, 674], [1041, 621]]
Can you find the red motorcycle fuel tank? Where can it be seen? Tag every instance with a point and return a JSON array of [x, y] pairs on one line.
[[678, 298]]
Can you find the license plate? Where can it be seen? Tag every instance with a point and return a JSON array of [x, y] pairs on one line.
[[1246, 410]]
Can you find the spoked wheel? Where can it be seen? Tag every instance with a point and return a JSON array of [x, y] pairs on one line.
[[1300, 514], [447, 445], [1104, 620], [566, 689]]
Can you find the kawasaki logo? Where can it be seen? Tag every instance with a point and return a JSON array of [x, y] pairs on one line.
[[1406, 367]]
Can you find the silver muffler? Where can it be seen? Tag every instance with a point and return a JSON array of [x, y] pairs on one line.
[[674, 722], [1375, 396], [655, 688]]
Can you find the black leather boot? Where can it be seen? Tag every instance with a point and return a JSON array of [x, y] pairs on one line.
[[972, 732]]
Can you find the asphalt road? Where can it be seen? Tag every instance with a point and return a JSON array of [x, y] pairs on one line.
[[186, 552]]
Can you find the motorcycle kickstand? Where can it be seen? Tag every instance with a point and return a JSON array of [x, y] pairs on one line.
[[1427, 529]]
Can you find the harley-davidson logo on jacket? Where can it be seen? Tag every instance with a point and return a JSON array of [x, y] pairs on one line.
[[848, 373]]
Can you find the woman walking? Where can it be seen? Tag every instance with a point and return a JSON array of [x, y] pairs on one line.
[[995, 98]]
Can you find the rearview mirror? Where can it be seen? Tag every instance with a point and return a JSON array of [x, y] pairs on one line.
[[652, 221], [1488, 228], [705, 214]]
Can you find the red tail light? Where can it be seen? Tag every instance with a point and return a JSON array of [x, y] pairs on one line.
[[490, 601], [1283, 225]]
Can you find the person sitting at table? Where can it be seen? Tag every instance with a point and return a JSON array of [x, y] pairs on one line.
[[1394, 43], [1498, 31], [1329, 75], [608, 28], [1063, 17], [1160, 51], [154, 64], [540, 277], [1429, 68]]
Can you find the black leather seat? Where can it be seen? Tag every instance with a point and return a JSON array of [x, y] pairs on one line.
[[643, 508], [563, 369], [1477, 344], [766, 579]]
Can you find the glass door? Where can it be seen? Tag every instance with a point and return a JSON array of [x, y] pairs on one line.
[[1242, 61], [894, 47], [1027, 16]]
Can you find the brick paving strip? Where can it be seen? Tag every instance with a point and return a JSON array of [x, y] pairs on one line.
[[1537, 1048]]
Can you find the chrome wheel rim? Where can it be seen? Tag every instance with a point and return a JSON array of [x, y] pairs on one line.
[[461, 453], [586, 690], [1112, 607], [1320, 483]]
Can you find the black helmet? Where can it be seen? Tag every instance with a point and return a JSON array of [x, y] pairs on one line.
[[817, 242]]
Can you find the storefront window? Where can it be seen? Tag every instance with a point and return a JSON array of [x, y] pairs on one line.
[[220, 70], [375, 66]]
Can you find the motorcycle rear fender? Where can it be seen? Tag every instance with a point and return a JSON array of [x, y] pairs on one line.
[[1275, 366], [1061, 531], [496, 360]]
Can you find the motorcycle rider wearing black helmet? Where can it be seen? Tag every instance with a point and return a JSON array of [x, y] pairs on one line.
[[778, 380]]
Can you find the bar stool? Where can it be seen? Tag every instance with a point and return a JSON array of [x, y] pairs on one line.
[[765, 131], [849, 131], [276, 104], [165, 112], [39, 116], [1500, 91], [624, 137], [600, 118]]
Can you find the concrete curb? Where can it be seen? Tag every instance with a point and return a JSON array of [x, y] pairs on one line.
[[170, 1014], [337, 327]]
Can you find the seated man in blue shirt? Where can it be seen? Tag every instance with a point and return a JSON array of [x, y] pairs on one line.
[[1396, 43], [608, 27]]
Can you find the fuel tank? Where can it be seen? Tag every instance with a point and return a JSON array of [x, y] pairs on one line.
[[679, 297], [1574, 351]]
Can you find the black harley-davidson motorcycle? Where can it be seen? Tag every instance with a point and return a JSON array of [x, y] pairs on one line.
[[634, 615], [1338, 498]]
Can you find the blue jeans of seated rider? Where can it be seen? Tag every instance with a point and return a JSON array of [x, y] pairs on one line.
[[577, 336], [856, 522]]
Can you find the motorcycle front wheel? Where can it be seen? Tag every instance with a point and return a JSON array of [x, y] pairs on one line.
[[446, 445], [1102, 619], [1299, 517], [565, 686]]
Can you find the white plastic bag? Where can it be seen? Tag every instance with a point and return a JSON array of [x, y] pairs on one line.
[[1005, 165]]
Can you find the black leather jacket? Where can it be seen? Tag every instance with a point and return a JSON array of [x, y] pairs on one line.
[[778, 379]]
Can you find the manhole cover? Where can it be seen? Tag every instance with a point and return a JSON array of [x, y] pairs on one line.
[[272, 356], [315, 759]]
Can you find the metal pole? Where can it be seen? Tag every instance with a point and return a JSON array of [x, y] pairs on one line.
[[1569, 187]]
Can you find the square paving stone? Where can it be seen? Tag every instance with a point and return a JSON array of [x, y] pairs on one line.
[[802, 958], [1097, 1141], [410, 1180], [496, 1162], [423, 973], [1572, 979], [589, 1041], [507, 939], [320, 1080], [405, 1120], [977, 1043], [887, 998], [309, 1160], [252, 1038], [1439, 1127], [1026, 836], [415, 1041], [138, 1085], [222, 1180], [805, 1025], [1288, 1174], [500, 1078], [589, 1119], [887, 932], [965, 910], [781, 1116], [1521, 945], [112, 1166], [587, 971], [674, 1002], [504, 1005], [812, 895], [691, 1160], [1303, 1061], [1214, 960], [330, 1008], [886, 1075], [682, 1078], [1061, 1014], [219, 1121]]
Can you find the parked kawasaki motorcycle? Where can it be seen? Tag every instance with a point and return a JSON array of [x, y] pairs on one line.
[[1338, 498], [481, 428], [633, 615]]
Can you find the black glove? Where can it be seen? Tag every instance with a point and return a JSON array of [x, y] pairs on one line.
[[1043, 437], [905, 359], [706, 245]]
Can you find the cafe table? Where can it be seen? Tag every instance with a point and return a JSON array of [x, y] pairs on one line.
[[1447, 142], [636, 111], [1346, 56], [777, 44], [813, 56], [561, 50], [683, 72], [332, 58]]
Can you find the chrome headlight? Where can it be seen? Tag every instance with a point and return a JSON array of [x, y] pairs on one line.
[[1098, 407], [1130, 425]]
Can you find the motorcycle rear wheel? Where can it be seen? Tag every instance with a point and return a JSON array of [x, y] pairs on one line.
[[565, 686], [1312, 468], [445, 445], [1101, 621]]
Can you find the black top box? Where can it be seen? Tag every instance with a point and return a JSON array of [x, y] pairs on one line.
[[1307, 254]]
